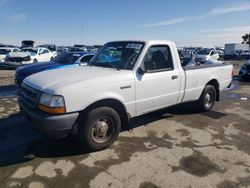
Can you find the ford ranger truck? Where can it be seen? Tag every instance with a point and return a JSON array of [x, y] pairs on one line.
[[125, 79]]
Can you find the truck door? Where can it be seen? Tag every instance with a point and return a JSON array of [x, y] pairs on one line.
[[159, 86]]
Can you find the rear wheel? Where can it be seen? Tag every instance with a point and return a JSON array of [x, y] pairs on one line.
[[35, 61], [99, 128], [207, 99]]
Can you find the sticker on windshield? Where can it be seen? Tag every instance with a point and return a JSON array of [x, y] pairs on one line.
[[135, 46]]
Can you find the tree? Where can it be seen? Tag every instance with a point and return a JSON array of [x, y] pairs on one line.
[[246, 39]]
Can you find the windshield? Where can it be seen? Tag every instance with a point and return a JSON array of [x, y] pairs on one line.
[[4, 51], [32, 51], [204, 51], [67, 58], [119, 55]]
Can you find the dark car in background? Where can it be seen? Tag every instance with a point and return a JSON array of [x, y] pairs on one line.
[[245, 55], [245, 71], [63, 61]]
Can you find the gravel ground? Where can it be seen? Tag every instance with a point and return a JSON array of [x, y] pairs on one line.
[[175, 147]]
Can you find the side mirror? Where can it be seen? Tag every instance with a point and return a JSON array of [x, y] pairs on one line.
[[141, 71]]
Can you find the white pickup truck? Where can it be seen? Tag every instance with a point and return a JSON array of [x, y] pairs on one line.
[[125, 79]]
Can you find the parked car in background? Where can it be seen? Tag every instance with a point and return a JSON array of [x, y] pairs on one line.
[[62, 49], [4, 51], [245, 55], [221, 54], [78, 49], [193, 63], [206, 54], [125, 79], [233, 51], [244, 72], [28, 56], [51, 47], [62, 61], [185, 55]]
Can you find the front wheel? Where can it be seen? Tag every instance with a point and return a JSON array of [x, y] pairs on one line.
[[35, 61], [207, 99], [99, 128]]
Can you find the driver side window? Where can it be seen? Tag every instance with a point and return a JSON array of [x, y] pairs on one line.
[[158, 58]]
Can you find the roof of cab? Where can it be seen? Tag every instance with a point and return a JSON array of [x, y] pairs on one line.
[[147, 41]]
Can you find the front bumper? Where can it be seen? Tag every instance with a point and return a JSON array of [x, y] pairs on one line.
[[58, 126], [16, 64]]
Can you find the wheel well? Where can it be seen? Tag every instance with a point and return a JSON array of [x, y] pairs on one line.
[[216, 85], [117, 106]]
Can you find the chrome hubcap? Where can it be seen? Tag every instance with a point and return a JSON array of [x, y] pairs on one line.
[[208, 99], [102, 129]]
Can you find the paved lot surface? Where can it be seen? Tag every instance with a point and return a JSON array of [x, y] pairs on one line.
[[175, 147]]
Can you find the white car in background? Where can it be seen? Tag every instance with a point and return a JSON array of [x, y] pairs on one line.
[[28, 56], [51, 47], [4, 51], [206, 54]]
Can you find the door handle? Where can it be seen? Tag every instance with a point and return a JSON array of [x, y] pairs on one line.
[[174, 77]]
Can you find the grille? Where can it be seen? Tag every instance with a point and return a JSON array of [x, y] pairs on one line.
[[15, 59], [29, 96]]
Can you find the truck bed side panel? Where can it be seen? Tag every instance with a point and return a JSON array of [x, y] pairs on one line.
[[197, 79]]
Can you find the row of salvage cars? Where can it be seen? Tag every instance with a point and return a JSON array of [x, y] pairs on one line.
[[14, 57], [64, 60]]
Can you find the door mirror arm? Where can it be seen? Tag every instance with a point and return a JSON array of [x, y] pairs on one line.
[[141, 71]]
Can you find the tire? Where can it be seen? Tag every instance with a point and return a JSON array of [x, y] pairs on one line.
[[98, 121], [51, 59], [35, 61], [207, 99]]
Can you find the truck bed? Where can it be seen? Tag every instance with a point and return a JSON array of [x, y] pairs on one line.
[[198, 76]]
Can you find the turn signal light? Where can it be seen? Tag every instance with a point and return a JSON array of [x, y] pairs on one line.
[[52, 110]]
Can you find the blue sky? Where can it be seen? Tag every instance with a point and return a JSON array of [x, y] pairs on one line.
[[188, 23]]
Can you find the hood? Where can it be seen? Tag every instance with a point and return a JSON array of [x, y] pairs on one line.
[[53, 80], [19, 54], [38, 67]]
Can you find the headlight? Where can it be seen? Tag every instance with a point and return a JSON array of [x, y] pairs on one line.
[[52, 104], [45, 99], [27, 58], [57, 101]]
